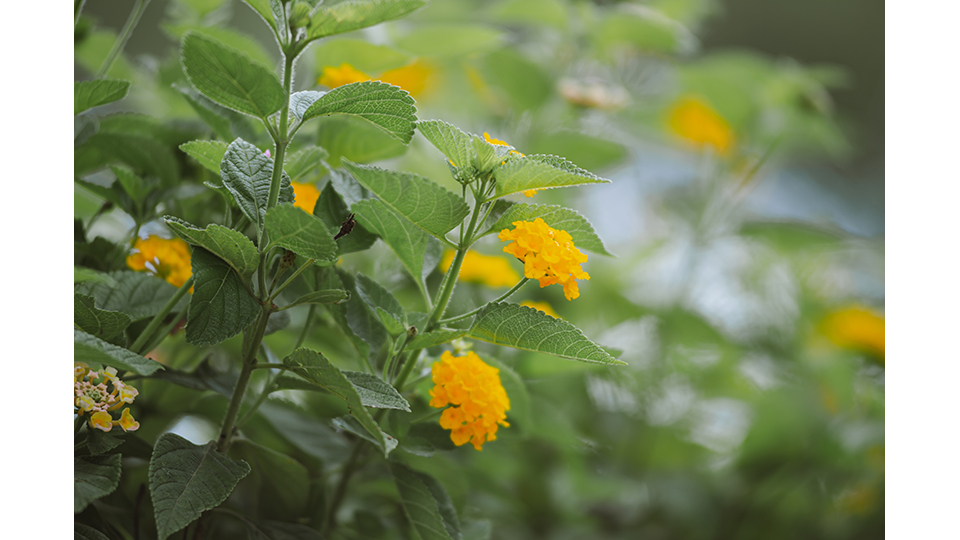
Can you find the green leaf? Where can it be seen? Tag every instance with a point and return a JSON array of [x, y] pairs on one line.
[[278, 321], [525, 328], [301, 101], [138, 294], [298, 164], [84, 127], [333, 211], [355, 139], [388, 107], [186, 480], [90, 94], [539, 172], [359, 320], [453, 143], [522, 84], [374, 295], [226, 123], [221, 305], [83, 532], [131, 184], [282, 483], [144, 154], [231, 78], [270, 11], [92, 350], [557, 217], [225, 36], [354, 15], [421, 506], [94, 477], [100, 323], [430, 339], [279, 530], [232, 246], [423, 202], [407, 241], [391, 323], [330, 296], [100, 442], [247, 173], [301, 233], [375, 392], [207, 153], [83, 275], [313, 367]]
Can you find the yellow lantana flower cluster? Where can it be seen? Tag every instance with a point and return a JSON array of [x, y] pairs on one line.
[[478, 268], [498, 142], [97, 393], [411, 77], [548, 255], [168, 259], [305, 196], [697, 122], [480, 403]]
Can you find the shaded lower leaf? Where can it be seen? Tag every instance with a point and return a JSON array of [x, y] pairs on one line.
[[100, 323], [313, 367], [207, 153], [221, 306], [420, 505], [332, 296], [301, 233], [83, 532], [525, 328], [429, 339], [94, 477], [375, 392], [333, 211], [298, 164], [138, 294], [186, 480], [92, 350], [229, 245], [100, 442], [279, 530], [408, 242], [89, 94], [283, 483]]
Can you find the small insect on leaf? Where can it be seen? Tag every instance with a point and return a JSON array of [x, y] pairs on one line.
[[346, 226]]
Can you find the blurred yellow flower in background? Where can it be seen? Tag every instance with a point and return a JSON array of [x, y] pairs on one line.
[[168, 259], [305, 196], [480, 403], [541, 306], [698, 123], [488, 270], [412, 77], [856, 327]]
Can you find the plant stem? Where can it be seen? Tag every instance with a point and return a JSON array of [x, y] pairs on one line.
[[165, 331], [249, 362], [281, 140], [121, 41], [503, 297], [289, 280], [349, 469], [158, 318], [450, 280]]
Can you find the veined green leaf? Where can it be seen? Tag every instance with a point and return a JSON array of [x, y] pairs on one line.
[[391, 323], [557, 217], [226, 123], [453, 143], [226, 36], [186, 480], [375, 392], [90, 94], [300, 163], [430, 339], [247, 173], [92, 350], [81, 275], [360, 320], [282, 483], [433, 519], [423, 202], [539, 172], [525, 328], [374, 295], [407, 241], [301, 233], [232, 246], [138, 294], [83, 532], [221, 306], [94, 477], [301, 101], [142, 153], [97, 322], [356, 139], [271, 11], [313, 367], [230, 78], [357, 14], [331, 296], [388, 107], [207, 153]]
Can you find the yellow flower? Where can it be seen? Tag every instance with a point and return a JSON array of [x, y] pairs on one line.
[[168, 259], [541, 306], [548, 255], [486, 269], [697, 122], [127, 422], [857, 328], [101, 420], [412, 77], [498, 142], [305, 196], [477, 395]]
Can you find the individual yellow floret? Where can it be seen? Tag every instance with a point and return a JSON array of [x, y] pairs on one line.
[[476, 395]]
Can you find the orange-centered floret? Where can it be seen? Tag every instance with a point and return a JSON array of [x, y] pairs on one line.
[[479, 402], [548, 255]]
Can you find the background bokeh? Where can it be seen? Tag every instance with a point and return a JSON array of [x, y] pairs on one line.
[[744, 140]]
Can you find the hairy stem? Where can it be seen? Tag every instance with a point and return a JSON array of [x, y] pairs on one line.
[[158, 318], [121, 41], [249, 362]]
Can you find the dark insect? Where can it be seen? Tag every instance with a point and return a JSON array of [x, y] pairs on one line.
[[346, 226]]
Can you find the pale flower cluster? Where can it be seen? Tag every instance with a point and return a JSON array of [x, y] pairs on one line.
[[98, 393]]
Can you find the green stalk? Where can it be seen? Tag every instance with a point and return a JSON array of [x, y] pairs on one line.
[[158, 318], [281, 140], [121, 41], [289, 280], [503, 297], [165, 331], [248, 365], [450, 280]]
